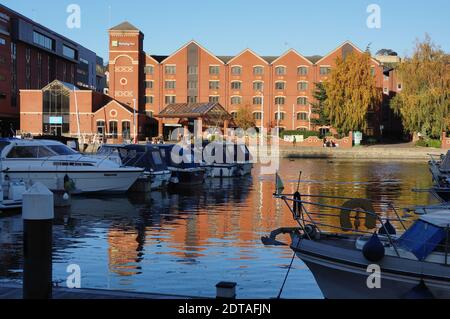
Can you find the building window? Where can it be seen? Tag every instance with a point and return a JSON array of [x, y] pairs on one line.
[[149, 84], [69, 52], [214, 85], [170, 99], [280, 86], [325, 70], [149, 69], [302, 116], [149, 114], [2, 41], [236, 85], [43, 41], [101, 128], [192, 99], [258, 86], [302, 86], [280, 70], [386, 90], [149, 100], [126, 130], [171, 69], [113, 129], [399, 86], [2, 59], [302, 100], [257, 115], [257, 100], [214, 70], [258, 70], [192, 84], [234, 114], [170, 85], [372, 71], [236, 70], [214, 99], [236, 100], [279, 116], [302, 70], [192, 70], [280, 100]]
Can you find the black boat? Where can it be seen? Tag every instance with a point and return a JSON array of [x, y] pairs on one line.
[[180, 161]]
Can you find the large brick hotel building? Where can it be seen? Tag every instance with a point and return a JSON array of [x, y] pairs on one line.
[[265, 84], [277, 89]]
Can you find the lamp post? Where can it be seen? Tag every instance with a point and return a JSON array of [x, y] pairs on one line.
[[134, 121], [262, 117]]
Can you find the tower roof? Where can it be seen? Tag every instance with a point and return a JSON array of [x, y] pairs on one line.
[[124, 26]]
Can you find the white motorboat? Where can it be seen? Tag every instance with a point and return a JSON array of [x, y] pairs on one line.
[[147, 157], [219, 160], [353, 262], [59, 167]]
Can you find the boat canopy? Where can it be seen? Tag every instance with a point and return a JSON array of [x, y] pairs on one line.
[[445, 165], [184, 154], [143, 156], [426, 234]]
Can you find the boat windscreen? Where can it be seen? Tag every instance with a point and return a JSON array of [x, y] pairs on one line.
[[421, 239]]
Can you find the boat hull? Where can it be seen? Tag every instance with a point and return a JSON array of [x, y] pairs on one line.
[[221, 171], [188, 177], [343, 273], [89, 181]]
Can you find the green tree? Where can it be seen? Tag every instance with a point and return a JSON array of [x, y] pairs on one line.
[[351, 92], [318, 108], [423, 103], [244, 118]]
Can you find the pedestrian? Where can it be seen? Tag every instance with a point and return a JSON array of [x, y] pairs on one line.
[[294, 141]]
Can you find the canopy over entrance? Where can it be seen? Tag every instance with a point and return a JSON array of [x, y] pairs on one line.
[[211, 114]]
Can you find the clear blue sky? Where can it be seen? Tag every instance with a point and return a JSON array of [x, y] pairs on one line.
[[226, 27]]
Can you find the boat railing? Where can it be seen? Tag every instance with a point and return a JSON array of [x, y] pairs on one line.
[[303, 215]]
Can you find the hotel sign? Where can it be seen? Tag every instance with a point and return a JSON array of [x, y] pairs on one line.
[[122, 44], [56, 120]]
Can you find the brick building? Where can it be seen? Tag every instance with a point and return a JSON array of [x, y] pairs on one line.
[[31, 56], [278, 90], [267, 85]]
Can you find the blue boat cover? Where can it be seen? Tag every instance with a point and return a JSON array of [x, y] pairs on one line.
[[421, 239]]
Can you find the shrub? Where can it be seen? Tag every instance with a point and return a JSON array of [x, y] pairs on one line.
[[429, 143]]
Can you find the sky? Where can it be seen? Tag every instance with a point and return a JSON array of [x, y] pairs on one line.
[[226, 27]]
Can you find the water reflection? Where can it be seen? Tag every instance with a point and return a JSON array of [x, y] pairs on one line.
[[185, 242]]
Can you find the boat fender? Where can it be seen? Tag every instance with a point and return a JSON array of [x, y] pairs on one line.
[[353, 204], [297, 204], [373, 250], [387, 229], [420, 291]]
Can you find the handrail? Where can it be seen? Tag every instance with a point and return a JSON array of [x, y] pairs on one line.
[[302, 202]]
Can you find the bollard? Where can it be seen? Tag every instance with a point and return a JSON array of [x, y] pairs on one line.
[[226, 290], [37, 214]]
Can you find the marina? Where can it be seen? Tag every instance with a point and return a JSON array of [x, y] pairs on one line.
[[149, 242]]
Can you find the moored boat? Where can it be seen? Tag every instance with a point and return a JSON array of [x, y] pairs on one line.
[[147, 157], [440, 170], [55, 164], [180, 161], [346, 260]]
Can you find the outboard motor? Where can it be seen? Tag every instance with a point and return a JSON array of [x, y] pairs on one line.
[[373, 250]]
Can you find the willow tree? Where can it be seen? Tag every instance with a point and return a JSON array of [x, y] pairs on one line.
[[423, 103], [351, 92]]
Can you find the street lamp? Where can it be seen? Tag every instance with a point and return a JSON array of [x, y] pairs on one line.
[[134, 121], [261, 94]]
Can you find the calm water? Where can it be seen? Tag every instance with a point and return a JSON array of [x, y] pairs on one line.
[[186, 243]]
